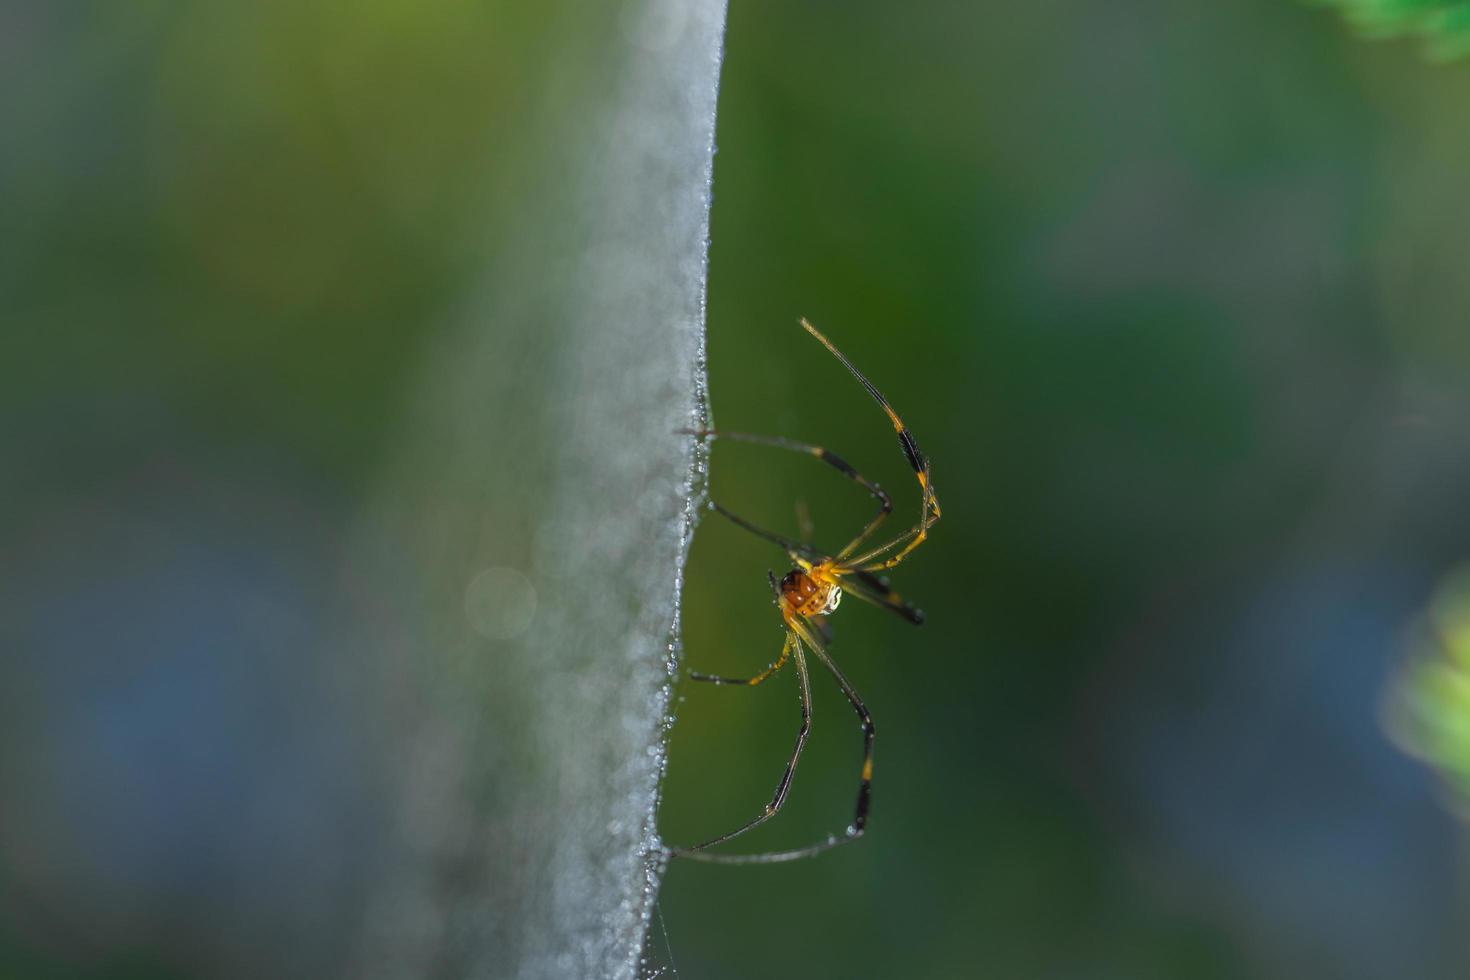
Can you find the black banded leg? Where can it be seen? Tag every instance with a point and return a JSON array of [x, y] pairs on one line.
[[885, 503], [871, 588], [906, 442], [784, 786], [865, 784]]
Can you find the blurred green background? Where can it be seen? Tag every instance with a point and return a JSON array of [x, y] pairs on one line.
[[1173, 297]]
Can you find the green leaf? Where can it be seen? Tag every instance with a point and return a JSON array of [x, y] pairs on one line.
[[1444, 24]]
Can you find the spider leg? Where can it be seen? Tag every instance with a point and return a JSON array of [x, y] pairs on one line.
[[823, 629], [746, 681], [910, 539], [793, 644], [911, 453], [775, 666], [865, 783], [885, 502], [795, 549], [915, 537], [870, 588]]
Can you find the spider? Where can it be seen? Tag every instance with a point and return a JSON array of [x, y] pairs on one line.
[[807, 595]]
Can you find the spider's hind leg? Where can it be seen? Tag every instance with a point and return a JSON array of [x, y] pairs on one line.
[[859, 823], [793, 648]]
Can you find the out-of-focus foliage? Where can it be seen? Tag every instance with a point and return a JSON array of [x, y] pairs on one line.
[[1173, 297], [1429, 710], [1444, 23]]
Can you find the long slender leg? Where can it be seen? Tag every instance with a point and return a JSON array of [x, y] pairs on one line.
[[775, 666], [792, 548], [865, 784], [866, 557], [885, 502], [916, 537], [910, 539], [822, 628], [920, 535], [747, 681], [871, 588], [911, 453], [784, 786]]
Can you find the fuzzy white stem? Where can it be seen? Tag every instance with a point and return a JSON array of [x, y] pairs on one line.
[[545, 467]]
